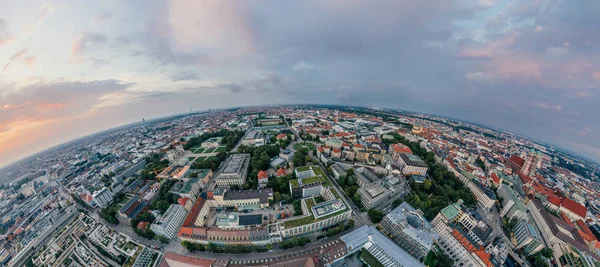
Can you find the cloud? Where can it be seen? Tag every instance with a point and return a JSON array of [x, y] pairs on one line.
[[480, 77], [5, 35], [301, 65], [19, 56], [60, 100], [210, 24], [185, 76], [544, 105], [104, 17], [82, 43]]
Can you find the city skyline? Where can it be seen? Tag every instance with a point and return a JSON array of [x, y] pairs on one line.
[[71, 69]]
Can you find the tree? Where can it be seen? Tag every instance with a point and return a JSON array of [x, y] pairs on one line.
[[427, 184], [375, 215], [162, 239], [546, 253], [396, 203]]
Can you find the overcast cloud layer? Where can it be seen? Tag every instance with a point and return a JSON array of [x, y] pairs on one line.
[[70, 68]]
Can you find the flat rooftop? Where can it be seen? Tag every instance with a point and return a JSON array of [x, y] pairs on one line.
[[413, 160], [327, 208], [234, 163]]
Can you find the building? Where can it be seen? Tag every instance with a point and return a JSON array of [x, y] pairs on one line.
[[384, 250], [263, 179], [407, 227], [174, 172], [194, 229], [102, 197], [254, 138], [136, 166], [511, 204], [462, 234], [373, 194], [555, 231], [396, 149], [234, 170], [134, 207], [485, 196], [527, 237], [573, 210], [168, 224], [316, 216], [242, 199], [309, 183], [411, 164], [187, 189], [515, 163]]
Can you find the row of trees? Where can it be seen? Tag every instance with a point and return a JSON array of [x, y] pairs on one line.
[[260, 157], [349, 183], [294, 242], [212, 247], [165, 198], [154, 164], [442, 188]]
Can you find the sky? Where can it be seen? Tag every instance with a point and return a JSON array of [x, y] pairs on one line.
[[73, 68]]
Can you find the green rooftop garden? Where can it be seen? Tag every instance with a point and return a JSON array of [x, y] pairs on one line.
[[309, 203], [309, 180], [310, 219]]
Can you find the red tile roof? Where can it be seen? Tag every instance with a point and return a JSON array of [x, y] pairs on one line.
[[517, 160], [574, 207], [182, 201], [566, 219], [401, 148], [495, 178], [143, 225], [554, 200], [584, 228], [281, 172], [263, 175]]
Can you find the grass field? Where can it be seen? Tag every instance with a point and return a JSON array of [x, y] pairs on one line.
[[210, 150], [191, 158], [194, 148], [310, 146], [211, 157], [200, 159], [199, 150], [220, 149]]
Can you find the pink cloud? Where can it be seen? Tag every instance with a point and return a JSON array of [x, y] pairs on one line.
[[516, 67], [18, 56], [596, 76], [43, 107]]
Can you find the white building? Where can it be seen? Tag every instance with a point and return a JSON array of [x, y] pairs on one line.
[[102, 197], [412, 164], [168, 225], [382, 248]]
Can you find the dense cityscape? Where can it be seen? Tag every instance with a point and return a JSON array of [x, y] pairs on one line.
[[301, 185]]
